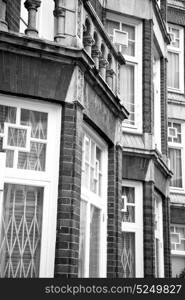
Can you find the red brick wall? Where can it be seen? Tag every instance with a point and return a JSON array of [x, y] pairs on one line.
[[147, 76], [114, 212], [164, 117], [177, 215], [13, 14], [149, 246], [166, 235], [68, 218]]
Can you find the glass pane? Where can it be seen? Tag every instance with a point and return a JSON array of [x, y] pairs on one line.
[[130, 30], [35, 160], [17, 137], [21, 229], [38, 122], [129, 215], [176, 167], [94, 256], [111, 25], [173, 70], [181, 246], [82, 247], [7, 114], [128, 254], [174, 238], [128, 85]]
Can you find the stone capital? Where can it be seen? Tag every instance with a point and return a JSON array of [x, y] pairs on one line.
[[59, 12], [88, 40], [103, 63], [32, 4]]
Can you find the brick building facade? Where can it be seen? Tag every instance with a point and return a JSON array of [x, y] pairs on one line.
[[83, 139]]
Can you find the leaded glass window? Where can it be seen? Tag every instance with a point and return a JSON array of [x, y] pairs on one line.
[[21, 227], [23, 135], [128, 254]]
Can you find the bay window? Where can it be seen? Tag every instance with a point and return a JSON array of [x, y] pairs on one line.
[[132, 230], [130, 85], [28, 204], [176, 59], [93, 211]]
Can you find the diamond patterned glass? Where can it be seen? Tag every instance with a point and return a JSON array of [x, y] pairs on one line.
[[83, 221], [20, 236], [128, 254], [35, 159], [94, 256]]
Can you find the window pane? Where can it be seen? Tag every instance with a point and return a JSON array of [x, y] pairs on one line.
[[82, 251], [7, 114], [111, 25], [176, 167], [128, 254], [130, 50], [21, 227], [94, 256], [173, 70], [128, 84], [35, 160], [38, 122], [129, 215]]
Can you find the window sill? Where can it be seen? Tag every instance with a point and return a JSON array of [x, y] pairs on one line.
[[177, 253], [176, 91], [177, 190]]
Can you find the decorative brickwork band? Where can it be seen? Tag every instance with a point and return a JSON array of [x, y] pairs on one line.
[[32, 6], [59, 14], [3, 23]]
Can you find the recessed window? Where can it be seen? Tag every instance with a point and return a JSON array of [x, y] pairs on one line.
[[132, 234], [175, 153], [93, 210], [130, 75], [175, 59]]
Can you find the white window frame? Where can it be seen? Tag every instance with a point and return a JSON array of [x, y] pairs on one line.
[[138, 65], [137, 226], [180, 52], [177, 252], [159, 235], [179, 146], [101, 203], [47, 180]]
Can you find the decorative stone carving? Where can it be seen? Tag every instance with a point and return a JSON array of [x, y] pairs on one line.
[[109, 77], [96, 56], [32, 7], [88, 41], [103, 66], [3, 23]]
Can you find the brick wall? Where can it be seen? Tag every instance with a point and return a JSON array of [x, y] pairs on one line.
[[176, 16], [166, 238], [68, 219], [177, 215], [164, 117], [147, 76], [13, 14], [149, 246], [114, 212]]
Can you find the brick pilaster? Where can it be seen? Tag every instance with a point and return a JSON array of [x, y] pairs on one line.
[[114, 212], [68, 219], [149, 238], [147, 76], [166, 238], [164, 118]]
